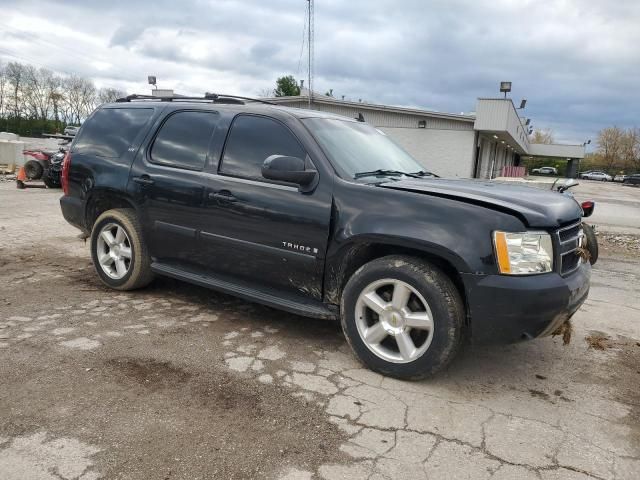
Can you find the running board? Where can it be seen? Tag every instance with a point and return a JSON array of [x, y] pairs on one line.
[[294, 304]]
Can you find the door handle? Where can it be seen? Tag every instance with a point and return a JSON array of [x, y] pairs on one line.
[[222, 196], [144, 180]]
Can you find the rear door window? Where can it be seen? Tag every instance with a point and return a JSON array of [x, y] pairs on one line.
[[110, 131], [183, 140]]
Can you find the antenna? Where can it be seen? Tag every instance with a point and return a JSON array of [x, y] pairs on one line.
[[310, 45]]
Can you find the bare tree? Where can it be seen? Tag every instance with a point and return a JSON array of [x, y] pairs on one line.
[[3, 89], [38, 86], [108, 95], [610, 146], [630, 149], [15, 77], [80, 98], [89, 96], [542, 136]]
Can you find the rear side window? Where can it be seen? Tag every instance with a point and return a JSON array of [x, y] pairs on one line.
[[183, 140], [251, 140], [110, 131]]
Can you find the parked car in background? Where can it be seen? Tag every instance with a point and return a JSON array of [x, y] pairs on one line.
[[597, 175], [620, 177], [633, 180], [71, 130], [545, 171]]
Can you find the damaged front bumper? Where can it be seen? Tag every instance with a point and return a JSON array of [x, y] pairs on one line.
[[507, 309]]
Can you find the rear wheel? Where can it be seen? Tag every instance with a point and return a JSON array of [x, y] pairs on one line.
[[33, 170], [118, 251], [402, 316]]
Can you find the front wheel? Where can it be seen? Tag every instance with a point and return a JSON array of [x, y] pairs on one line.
[[592, 242], [118, 251], [51, 179], [402, 316]]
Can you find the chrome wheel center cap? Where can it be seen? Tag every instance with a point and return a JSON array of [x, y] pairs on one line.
[[393, 322]]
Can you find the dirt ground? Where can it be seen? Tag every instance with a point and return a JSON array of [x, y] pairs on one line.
[[179, 382]]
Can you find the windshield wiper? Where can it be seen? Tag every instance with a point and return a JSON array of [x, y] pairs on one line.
[[382, 172], [425, 173]]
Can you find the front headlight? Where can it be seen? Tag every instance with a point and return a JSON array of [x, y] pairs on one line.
[[523, 253]]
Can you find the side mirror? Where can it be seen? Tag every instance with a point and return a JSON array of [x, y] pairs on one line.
[[288, 169]]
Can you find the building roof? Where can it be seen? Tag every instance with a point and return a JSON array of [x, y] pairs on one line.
[[320, 99]]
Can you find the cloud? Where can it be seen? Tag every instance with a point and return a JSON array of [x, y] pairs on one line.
[[125, 35], [576, 61]]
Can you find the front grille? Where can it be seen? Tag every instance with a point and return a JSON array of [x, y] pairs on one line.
[[567, 234], [569, 243]]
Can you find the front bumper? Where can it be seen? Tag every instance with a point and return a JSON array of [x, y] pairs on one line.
[[507, 309]]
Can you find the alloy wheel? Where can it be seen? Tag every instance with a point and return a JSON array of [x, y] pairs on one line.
[[394, 320], [114, 251]]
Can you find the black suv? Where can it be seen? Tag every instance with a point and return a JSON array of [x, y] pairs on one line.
[[323, 216]]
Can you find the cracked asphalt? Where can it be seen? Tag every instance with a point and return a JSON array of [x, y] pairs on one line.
[[178, 382]]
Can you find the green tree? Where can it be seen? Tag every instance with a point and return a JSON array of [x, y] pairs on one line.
[[287, 87]]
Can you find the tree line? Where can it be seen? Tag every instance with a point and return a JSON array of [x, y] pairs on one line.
[[617, 151], [34, 100]]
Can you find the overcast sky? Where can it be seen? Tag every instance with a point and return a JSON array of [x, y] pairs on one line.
[[576, 61]]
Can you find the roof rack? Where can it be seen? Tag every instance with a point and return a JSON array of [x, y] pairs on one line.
[[208, 97]]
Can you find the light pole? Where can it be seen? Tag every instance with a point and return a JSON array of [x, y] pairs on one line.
[[505, 87]]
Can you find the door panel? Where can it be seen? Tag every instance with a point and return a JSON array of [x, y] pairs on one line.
[[276, 236], [262, 231], [167, 182], [172, 207]]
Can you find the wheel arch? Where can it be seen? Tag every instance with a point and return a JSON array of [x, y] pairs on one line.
[[357, 253], [102, 200]]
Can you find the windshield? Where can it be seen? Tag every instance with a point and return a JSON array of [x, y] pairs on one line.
[[355, 147]]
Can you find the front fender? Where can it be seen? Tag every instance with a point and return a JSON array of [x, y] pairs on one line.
[[456, 232]]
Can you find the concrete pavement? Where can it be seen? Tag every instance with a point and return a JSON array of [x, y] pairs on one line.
[[176, 381]]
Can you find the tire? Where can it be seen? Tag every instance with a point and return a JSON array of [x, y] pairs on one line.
[[592, 242], [33, 170], [426, 283], [136, 272], [52, 180]]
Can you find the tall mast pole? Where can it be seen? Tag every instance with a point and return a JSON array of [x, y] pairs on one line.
[[310, 45]]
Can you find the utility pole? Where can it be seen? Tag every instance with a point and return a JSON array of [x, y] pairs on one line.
[[310, 45]]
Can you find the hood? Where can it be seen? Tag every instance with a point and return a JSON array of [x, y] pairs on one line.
[[536, 207]]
